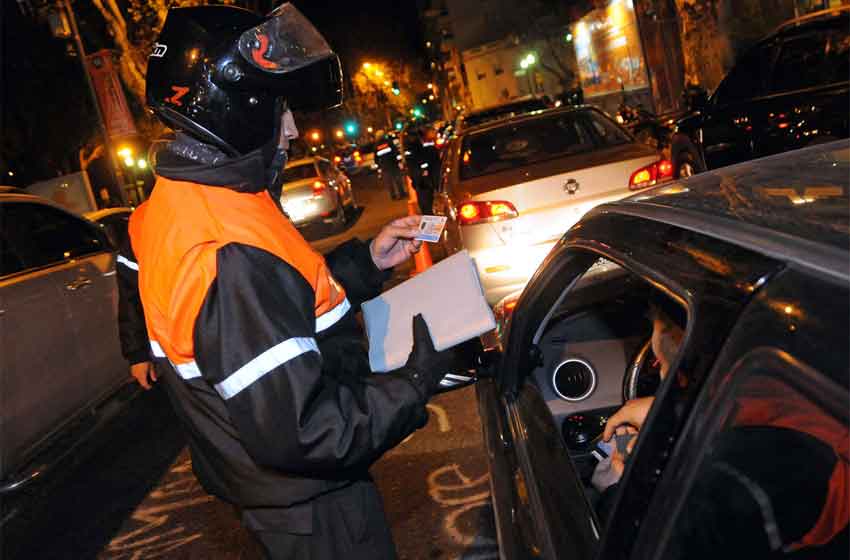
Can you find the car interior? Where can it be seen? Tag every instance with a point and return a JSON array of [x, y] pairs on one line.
[[597, 354]]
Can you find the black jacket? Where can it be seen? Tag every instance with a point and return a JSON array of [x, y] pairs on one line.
[[279, 405]]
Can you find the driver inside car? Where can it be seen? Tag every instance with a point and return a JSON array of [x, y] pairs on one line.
[[624, 425]]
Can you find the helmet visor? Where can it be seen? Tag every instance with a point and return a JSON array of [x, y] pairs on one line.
[[286, 41]]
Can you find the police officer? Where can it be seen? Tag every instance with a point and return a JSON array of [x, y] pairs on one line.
[[387, 156], [423, 163], [254, 332]]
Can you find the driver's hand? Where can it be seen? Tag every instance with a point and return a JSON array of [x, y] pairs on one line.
[[633, 414]]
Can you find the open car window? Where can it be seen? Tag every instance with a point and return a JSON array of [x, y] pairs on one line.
[[612, 339]]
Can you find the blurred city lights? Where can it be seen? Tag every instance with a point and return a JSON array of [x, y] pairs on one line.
[[315, 136], [125, 152], [129, 162], [367, 65], [339, 133], [142, 164], [430, 86]]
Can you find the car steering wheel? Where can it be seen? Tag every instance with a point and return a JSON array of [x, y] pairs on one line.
[[642, 375]]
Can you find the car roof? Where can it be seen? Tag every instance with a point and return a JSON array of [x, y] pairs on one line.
[[538, 114], [104, 212], [519, 102], [814, 18], [792, 206]]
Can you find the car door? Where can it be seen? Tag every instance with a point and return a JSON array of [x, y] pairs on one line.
[[704, 274], [43, 382], [808, 91], [784, 369], [737, 110]]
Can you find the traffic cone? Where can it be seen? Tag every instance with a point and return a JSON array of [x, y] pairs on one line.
[[422, 258]]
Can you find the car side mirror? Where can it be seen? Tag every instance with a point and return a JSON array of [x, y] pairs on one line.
[[475, 362]]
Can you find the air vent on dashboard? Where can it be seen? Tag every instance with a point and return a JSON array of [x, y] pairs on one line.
[[574, 380]]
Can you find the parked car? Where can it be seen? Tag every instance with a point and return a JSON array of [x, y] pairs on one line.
[[314, 191], [61, 369], [790, 90], [516, 107], [744, 452], [510, 188], [113, 221]]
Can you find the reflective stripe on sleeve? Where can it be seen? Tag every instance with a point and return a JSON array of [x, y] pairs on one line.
[[264, 363], [128, 263], [329, 318]]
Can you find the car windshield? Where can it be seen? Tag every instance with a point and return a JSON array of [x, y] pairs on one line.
[[504, 111], [299, 172], [517, 144]]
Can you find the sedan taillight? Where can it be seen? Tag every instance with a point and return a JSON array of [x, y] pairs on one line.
[[651, 175], [319, 188], [479, 211]]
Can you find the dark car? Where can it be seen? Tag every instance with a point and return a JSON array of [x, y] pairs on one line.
[[745, 452], [788, 91]]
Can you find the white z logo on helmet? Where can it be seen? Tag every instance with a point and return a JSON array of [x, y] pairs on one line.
[[159, 50]]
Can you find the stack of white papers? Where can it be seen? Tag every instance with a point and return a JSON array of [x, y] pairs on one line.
[[450, 299]]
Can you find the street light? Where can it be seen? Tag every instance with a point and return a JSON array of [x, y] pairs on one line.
[[367, 65], [339, 133], [315, 136]]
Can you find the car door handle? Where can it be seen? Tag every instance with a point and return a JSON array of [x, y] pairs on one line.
[[77, 284]]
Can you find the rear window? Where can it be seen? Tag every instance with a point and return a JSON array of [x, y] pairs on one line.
[[299, 172], [519, 144]]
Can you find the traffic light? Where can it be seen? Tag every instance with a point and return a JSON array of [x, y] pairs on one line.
[[396, 89], [417, 112], [351, 128], [398, 125]]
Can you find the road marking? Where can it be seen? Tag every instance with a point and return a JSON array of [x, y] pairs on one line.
[[451, 488], [146, 541]]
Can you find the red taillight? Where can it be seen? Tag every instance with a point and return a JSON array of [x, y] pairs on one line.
[[652, 174], [475, 211], [318, 188]]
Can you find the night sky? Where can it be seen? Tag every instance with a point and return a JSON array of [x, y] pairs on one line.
[[45, 112], [372, 29]]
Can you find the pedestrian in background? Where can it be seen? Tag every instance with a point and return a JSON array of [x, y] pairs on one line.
[[388, 161], [423, 164]]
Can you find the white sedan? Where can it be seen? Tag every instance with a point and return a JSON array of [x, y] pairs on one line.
[[511, 188]]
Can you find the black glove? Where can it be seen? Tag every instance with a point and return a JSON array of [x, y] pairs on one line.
[[426, 367]]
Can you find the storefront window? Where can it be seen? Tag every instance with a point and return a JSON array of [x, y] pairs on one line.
[[608, 50]]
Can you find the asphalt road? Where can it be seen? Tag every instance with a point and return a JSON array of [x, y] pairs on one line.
[[132, 494]]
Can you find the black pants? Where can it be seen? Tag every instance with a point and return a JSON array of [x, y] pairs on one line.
[[425, 197], [347, 523]]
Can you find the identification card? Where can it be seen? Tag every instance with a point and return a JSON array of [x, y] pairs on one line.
[[431, 228]]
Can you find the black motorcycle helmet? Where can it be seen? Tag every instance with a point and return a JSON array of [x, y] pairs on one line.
[[224, 75]]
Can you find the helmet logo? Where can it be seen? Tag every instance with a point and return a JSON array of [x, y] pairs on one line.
[[179, 91], [261, 47], [158, 50]]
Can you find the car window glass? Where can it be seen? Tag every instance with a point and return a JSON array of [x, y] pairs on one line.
[[523, 143], [10, 261], [299, 172], [772, 478], [811, 60], [115, 226], [608, 133], [611, 341], [325, 168], [745, 80], [43, 235]]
